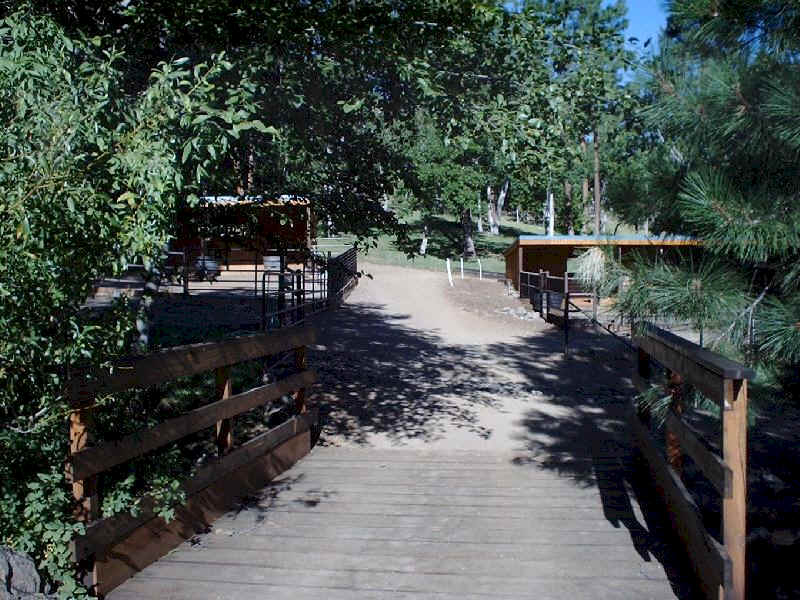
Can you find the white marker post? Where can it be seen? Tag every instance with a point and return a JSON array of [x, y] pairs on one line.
[[480, 270], [449, 274], [462, 268]]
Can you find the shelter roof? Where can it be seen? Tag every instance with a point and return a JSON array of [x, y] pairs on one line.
[[587, 241], [282, 200]]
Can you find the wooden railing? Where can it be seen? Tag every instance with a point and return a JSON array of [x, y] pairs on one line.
[[720, 568], [342, 276], [101, 553], [538, 287]]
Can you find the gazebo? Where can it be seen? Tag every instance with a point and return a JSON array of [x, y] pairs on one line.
[[530, 253]]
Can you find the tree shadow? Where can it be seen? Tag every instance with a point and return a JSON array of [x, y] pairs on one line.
[[379, 376], [582, 433]]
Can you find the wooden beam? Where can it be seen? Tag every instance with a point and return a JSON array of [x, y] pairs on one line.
[[709, 560], [91, 461], [155, 538], [102, 534], [672, 443], [224, 433], [716, 363], [708, 382], [182, 361], [734, 505], [711, 465]]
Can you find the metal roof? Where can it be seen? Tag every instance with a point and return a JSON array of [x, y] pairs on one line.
[[604, 240]]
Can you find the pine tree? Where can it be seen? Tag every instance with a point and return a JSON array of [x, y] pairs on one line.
[[726, 90]]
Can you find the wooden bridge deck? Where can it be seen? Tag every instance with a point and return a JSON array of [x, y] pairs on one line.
[[365, 523]]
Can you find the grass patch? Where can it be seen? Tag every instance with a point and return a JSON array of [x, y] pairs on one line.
[[444, 241]]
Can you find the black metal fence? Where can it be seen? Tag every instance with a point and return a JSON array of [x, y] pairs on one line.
[[290, 296]]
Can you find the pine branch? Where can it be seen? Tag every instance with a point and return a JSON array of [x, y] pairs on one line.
[[733, 323]]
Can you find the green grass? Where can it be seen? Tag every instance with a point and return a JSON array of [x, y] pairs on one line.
[[444, 241]]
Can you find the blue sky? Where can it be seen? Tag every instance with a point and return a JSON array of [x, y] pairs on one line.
[[646, 18]]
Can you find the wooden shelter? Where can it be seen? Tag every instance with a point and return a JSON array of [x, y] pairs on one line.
[[529, 253], [239, 230]]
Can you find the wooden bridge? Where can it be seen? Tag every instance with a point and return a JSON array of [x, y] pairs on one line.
[[266, 519]]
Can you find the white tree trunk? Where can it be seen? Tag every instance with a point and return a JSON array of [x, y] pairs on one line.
[[551, 214], [469, 243], [423, 246], [480, 216], [490, 207], [496, 203]]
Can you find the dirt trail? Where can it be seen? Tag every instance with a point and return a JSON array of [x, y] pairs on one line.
[[411, 362]]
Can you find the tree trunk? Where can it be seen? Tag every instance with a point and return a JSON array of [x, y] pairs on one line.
[[568, 221], [423, 245], [490, 202], [480, 216], [551, 213], [469, 243], [501, 200], [584, 186], [596, 184]]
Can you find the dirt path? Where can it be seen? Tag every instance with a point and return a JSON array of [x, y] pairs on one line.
[[411, 362]]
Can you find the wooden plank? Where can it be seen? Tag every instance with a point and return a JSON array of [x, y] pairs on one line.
[[710, 561], [84, 492], [711, 465], [711, 361], [182, 361], [156, 538], [224, 433], [708, 382], [97, 459], [672, 444], [734, 506], [102, 534]]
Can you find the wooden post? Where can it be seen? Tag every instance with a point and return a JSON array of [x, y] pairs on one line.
[[84, 492], [644, 370], [185, 272], [519, 267], [547, 295], [541, 293], [225, 426], [672, 443], [734, 506], [300, 395], [566, 312]]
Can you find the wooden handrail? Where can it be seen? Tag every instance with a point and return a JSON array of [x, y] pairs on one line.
[[720, 568], [182, 361], [716, 363], [88, 461]]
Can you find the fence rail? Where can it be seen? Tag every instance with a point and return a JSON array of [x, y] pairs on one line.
[[104, 568], [552, 297], [289, 297], [719, 567]]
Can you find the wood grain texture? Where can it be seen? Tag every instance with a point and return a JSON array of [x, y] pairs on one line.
[[102, 534], [711, 361], [710, 561], [155, 538], [706, 381], [97, 459], [734, 506], [182, 361], [691, 442]]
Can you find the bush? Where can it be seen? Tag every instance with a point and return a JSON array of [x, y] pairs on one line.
[[89, 181]]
